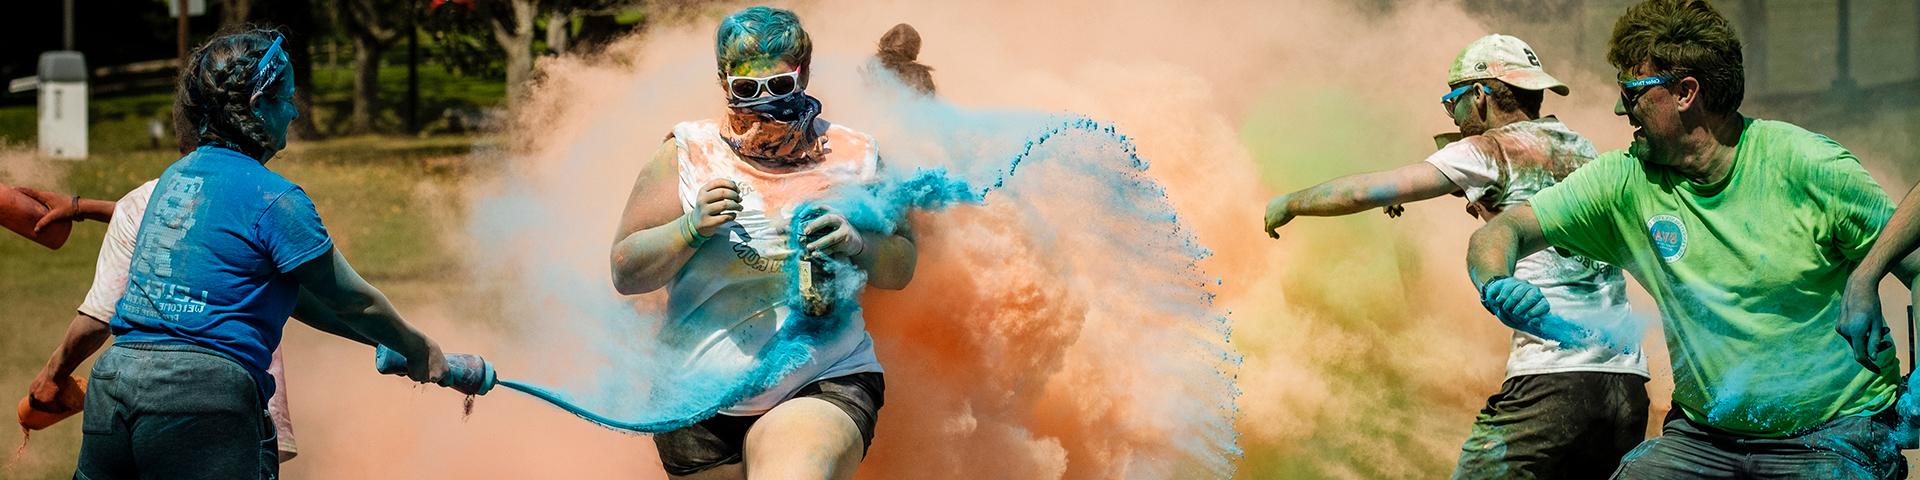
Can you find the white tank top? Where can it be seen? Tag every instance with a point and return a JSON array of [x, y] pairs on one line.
[[733, 286]]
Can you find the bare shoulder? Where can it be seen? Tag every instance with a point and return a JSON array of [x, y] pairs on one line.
[[655, 199]]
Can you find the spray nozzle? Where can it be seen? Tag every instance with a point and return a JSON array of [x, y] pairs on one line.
[[811, 274], [466, 373]]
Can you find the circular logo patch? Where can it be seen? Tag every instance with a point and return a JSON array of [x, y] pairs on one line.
[[1669, 236]]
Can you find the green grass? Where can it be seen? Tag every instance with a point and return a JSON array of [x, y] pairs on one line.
[[439, 90]]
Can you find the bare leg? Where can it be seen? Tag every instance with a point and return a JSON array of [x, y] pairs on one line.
[[803, 438]]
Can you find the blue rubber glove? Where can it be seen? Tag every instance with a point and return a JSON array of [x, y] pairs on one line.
[[1516, 303]]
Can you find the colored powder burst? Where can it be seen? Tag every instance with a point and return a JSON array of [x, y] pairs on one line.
[[879, 207], [1080, 187]]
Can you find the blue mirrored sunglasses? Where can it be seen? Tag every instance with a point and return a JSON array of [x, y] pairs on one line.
[[1631, 90], [1446, 101], [1644, 82], [270, 69]]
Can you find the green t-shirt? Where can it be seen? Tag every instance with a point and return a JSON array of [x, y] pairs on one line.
[[1748, 272]]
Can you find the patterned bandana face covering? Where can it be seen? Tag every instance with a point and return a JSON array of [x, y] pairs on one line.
[[270, 69], [776, 131]]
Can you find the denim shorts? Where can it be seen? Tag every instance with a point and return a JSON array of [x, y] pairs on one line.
[[174, 411]]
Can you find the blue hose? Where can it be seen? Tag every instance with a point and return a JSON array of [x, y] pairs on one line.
[[473, 375]]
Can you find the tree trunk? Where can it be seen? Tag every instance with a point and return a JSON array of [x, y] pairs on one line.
[[366, 84], [237, 12], [557, 25], [363, 22], [516, 38]]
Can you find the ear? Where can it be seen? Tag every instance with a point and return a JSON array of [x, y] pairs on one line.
[[255, 101], [1686, 93], [1483, 102]]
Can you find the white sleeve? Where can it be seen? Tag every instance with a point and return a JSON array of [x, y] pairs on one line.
[[116, 254], [1468, 166]]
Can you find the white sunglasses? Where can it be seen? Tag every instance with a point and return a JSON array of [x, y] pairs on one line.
[[776, 86]]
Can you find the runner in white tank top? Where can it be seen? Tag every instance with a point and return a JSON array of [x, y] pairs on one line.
[[707, 222]]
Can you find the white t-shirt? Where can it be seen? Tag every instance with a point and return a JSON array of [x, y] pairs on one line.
[[734, 281], [1505, 167], [110, 282]]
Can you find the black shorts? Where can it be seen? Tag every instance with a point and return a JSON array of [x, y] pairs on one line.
[[1556, 425], [718, 441]]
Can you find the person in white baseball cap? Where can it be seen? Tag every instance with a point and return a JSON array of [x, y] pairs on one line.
[[1564, 410]]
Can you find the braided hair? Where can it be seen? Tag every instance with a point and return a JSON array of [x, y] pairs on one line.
[[212, 105]]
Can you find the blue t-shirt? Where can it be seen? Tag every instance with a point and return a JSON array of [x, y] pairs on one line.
[[210, 267]]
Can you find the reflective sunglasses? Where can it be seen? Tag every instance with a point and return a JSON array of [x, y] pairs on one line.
[[1631, 90], [749, 88], [1452, 97]]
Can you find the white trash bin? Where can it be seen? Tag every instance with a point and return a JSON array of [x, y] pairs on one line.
[[63, 105]]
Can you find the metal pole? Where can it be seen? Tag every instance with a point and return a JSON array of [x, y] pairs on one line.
[[66, 40]]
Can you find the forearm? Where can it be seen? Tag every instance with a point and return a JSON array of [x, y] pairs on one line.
[[1359, 193], [646, 259], [1497, 247], [376, 320], [313, 312], [1343, 196], [889, 260], [95, 210], [84, 336], [1491, 254], [83, 208], [1895, 249]]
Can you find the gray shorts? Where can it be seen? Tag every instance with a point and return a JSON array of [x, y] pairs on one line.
[[1556, 425], [174, 411], [1842, 448]]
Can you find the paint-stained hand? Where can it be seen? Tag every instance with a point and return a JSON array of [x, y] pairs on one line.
[[1518, 304], [831, 234], [44, 394], [58, 209], [1277, 216], [719, 203], [1863, 326], [427, 367]]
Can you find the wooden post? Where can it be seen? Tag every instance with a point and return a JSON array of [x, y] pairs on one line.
[[183, 32], [413, 67]]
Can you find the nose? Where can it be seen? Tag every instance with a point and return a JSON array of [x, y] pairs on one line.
[[1620, 106]]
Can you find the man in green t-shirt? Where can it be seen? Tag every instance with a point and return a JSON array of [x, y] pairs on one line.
[[1744, 231]]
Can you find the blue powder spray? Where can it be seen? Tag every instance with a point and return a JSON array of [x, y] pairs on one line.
[[621, 365]]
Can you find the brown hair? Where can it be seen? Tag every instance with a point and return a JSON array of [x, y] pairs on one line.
[[1683, 38], [213, 102]]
